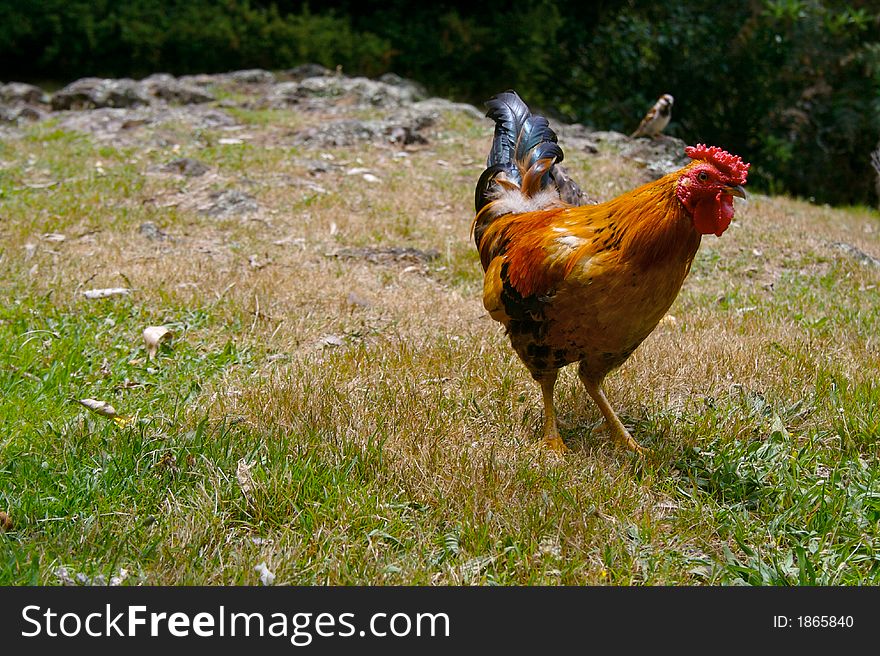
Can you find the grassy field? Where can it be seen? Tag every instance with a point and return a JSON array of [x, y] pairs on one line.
[[353, 416]]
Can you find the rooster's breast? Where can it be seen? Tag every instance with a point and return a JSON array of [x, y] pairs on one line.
[[598, 314]]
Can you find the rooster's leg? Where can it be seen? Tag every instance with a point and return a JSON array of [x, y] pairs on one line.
[[552, 440], [612, 421]]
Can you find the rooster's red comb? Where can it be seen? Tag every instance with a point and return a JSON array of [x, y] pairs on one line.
[[732, 165]]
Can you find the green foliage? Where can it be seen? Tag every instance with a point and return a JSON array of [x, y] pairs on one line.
[[791, 86], [180, 36]]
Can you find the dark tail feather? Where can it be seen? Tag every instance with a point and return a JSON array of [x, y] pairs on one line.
[[520, 142], [510, 114], [569, 190]]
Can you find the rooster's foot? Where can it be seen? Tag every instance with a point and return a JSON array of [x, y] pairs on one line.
[[625, 439], [555, 444]]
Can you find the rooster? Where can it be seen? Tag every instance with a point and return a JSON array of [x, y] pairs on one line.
[[656, 119], [587, 283]]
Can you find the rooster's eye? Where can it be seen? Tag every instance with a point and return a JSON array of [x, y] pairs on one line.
[[702, 176]]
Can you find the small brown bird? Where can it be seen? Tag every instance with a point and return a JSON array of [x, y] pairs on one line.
[[656, 119], [587, 283]]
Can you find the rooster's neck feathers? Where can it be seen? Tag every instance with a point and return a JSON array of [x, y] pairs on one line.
[[658, 228]]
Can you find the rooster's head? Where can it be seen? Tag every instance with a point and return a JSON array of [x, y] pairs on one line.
[[707, 186]]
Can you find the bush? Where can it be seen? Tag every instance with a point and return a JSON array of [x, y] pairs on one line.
[[69, 38]]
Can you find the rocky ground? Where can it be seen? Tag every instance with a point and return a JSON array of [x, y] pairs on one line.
[[117, 109], [130, 112]]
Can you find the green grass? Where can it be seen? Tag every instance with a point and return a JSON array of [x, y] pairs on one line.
[[393, 438]]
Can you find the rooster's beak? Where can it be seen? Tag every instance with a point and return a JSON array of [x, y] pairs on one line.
[[737, 191]]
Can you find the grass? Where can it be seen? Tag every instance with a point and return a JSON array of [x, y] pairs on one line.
[[349, 422]]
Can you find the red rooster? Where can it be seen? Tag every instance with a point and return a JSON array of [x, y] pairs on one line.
[[589, 283]]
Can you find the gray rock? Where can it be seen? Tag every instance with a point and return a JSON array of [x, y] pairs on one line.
[[859, 255], [18, 113], [609, 137], [348, 132], [301, 72], [152, 232], [19, 92], [361, 90], [318, 166], [404, 135], [172, 90], [577, 137], [283, 94], [93, 92], [344, 132], [435, 106], [106, 122], [110, 123], [192, 168], [200, 80], [252, 76], [356, 301], [395, 80], [402, 127], [208, 117], [660, 156], [229, 203]]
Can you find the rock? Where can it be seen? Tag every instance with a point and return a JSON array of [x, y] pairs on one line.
[[209, 117], [283, 94], [332, 340], [93, 92], [187, 166], [577, 137], [172, 90], [200, 80], [609, 137], [344, 132], [359, 90], [152, 232], [395, 80], [318, 166], [252, 76], [120, 124], [405, 135], [19, 92], [435, 106], [229, 203], [660, 156], [106, 122], [859, 255], [20, 101], [402, 128], [16, 113], [301, 72]]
